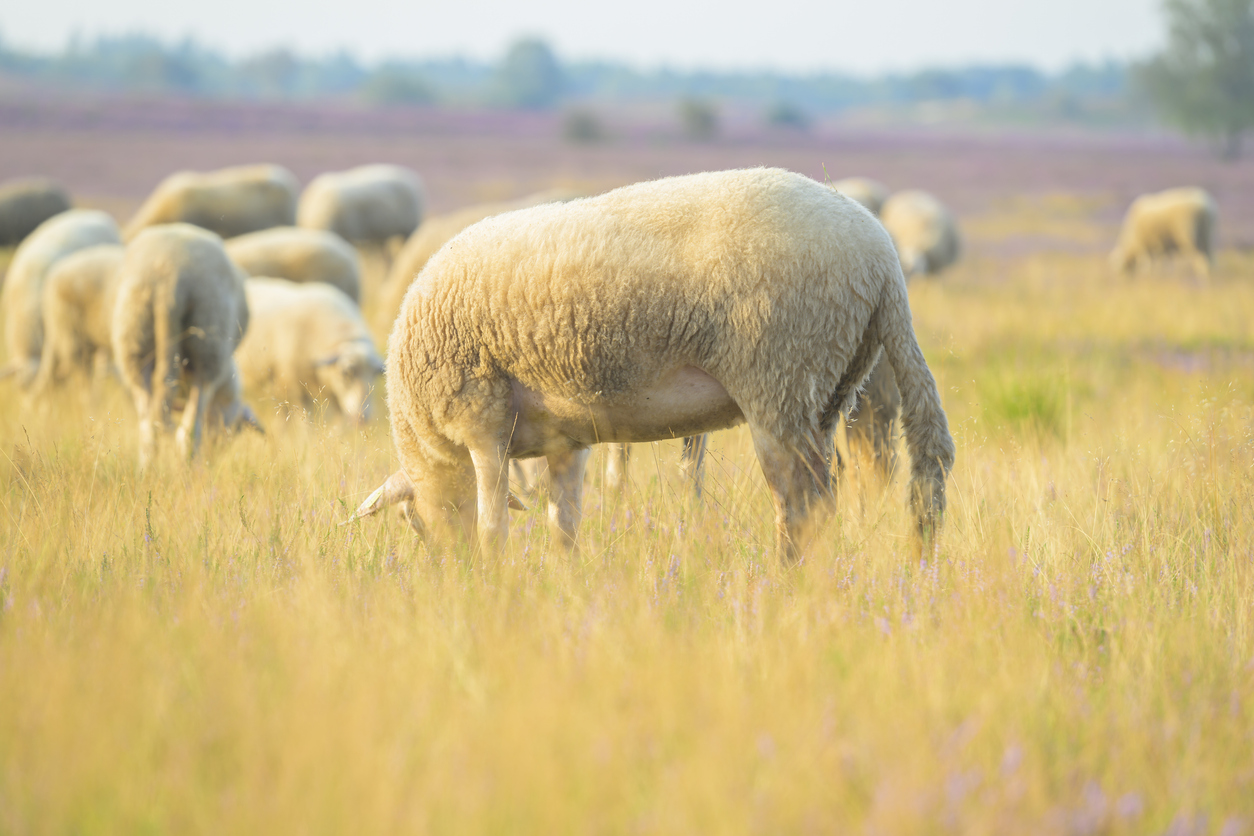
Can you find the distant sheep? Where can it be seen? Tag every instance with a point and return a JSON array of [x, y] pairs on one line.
[[179, 315], [25, 204], [924, 231], [870, 193], [23, 293], [307, 343], [1156, 225], [78, 313], [299, 255], [229, 201], [660, 310], [368, 204]]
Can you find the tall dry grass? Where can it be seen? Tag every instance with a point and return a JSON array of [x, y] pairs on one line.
[[203, 649]]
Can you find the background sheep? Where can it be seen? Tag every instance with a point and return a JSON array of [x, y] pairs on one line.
[[870, 193], [25, 204], [229, 201], [1156, 225], [22, 296], [299, 255], [659, 310], [368, 204], [179, 315], [307, 343], [78, 313], [924, 231]]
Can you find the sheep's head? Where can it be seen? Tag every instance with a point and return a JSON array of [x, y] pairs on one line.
[[1121, 259], [913, 261], [350, 375]]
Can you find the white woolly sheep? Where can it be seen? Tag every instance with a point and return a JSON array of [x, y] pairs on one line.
[[299, 255], [368, 204], [870, 193], [179, 315], [23, 293], [660, 310], [25, 204], [1156, 225], [924, 231], [308, 343], [78, 313], [229, 201]]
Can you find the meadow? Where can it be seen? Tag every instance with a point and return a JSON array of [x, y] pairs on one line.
[[205, 649]]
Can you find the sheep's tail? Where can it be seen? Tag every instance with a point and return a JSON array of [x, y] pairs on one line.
[[922, 417]]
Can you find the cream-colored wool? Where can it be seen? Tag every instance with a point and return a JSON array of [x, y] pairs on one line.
[[870, 193], [659, 310], [229, 201], [924, 231], [27, 202], [23, 294], [79, 294], [307, 344], [437, 231], [1175, 221], [179, 315], [299, 255], [368, 204]]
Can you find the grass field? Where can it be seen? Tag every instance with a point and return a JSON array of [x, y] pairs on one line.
[[204, 650]]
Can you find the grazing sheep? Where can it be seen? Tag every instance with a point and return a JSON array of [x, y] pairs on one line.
[[368, 204], [25, 204], [299, 255], [78, 313], [306, 343], [923, 230], [870, 193], [1156, 225], [229, 201], [23, 293], [659, 310], [870, 428], [179, 315]]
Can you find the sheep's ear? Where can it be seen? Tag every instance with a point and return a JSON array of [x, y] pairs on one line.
[[396, 489]]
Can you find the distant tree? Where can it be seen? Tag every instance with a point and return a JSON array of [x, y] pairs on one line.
[[273, 74], [699, 118], [391, 85], [1203, 81], [582, 126], [787, 115], [529, 77]]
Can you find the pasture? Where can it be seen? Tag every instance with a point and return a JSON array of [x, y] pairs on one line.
[[204, 648]]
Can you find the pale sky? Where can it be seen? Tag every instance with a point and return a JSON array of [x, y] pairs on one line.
[[861, 36]]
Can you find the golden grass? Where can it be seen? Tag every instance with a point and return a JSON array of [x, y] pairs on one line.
[[202, 649]]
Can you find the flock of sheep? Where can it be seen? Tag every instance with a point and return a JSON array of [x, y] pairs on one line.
[[523, 330]]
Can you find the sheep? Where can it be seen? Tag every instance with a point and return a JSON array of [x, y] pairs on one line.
[[369, 204], [78, 313], [179, 315], [1156, 225], [923, 230], [27, 202], [299, 255], [870, 193], [870, 427], [22, 296], [659, 310], [306, 342], [229, 201]]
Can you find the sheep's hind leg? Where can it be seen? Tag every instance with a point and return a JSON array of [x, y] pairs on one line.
[[617, 456], [799, 480], [492, 487], [566, 494], [191, 425]]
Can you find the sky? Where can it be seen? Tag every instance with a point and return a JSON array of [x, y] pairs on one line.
[[858, 36]]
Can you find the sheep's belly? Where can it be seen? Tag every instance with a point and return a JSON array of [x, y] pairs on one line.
[[684, 402]]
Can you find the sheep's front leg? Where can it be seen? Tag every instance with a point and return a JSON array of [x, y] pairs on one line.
[[617, 456], [693, 460], [492, 486], [147, 430], [566, 493]]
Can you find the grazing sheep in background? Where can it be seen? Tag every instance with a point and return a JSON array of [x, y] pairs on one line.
[[366, 205], [78, 313], [25, 204], [659, 310], [23, 293], [923, 230], [299, 255], [229, 201], [1156, 225], [870, 193], [179, 315], [306, 343]]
